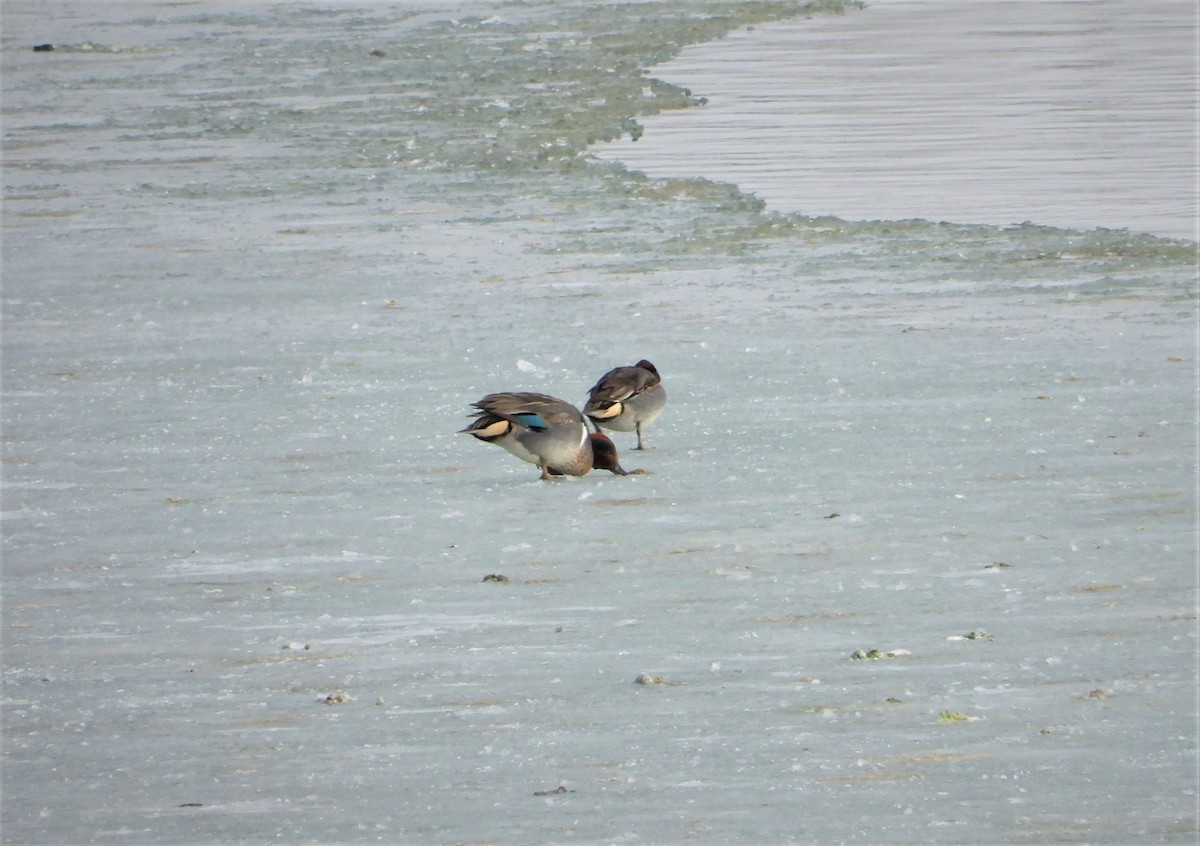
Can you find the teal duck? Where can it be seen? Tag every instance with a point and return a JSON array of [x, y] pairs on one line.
[[626, 399], [545, 431]]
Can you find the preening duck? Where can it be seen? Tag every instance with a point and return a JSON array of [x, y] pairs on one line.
[[626, 399]]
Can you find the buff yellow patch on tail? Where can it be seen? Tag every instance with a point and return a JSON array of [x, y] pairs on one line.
[[613, 410], [495, 430]]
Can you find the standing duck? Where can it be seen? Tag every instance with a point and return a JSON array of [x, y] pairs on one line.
[[544, 431], [627, 398]]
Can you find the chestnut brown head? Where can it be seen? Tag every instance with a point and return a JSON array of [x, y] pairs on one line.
[[604, 454]]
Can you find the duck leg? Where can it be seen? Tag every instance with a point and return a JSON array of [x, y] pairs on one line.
[[638, 427]]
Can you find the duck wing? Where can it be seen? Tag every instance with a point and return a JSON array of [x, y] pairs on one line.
[[530, 410], [621, 383]]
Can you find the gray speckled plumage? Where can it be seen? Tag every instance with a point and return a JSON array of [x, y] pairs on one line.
[[542, 430], [627, 399]]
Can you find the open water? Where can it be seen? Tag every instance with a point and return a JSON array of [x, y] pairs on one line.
[[1051, 111]]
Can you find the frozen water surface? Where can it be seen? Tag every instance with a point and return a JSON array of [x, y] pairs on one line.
[[253, 276]]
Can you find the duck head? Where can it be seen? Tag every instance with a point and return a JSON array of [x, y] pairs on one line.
[[604, 454]]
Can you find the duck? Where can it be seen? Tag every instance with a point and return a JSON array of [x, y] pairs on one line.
[[626, 399], [545, 431]]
